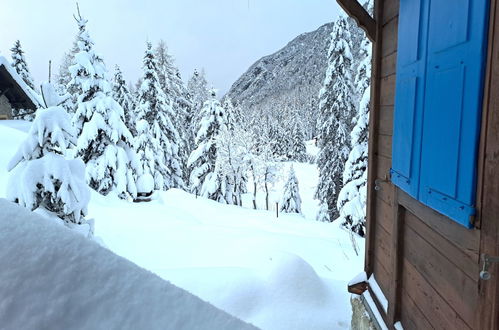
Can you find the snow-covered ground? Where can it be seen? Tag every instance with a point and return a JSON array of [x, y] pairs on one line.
[[289, 272], [54, 278]]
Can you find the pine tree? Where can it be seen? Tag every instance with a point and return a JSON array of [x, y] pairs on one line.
[[204, 180], [335, 106], [277, 136], [124, 98], [198, 89], [19, 63], [104, 142], [172, 85], [43, 177], [233, 113], [63, 76], [323, 213], [157, 110], [291, 200], [148, 149], [21, 67], [352, 198], [297, 150]]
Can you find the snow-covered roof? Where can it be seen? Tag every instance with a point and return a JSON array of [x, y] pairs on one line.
[[54, 278], [34, 100]]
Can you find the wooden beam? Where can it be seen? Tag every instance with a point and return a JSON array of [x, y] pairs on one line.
[[396, 255], [488, 187], [373, 136], [354, 9]]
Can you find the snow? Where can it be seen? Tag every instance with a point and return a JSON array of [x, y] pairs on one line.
[[312, 148], [20, 125], [289, 272], [378, 293], [398, 326], [41, 176], [372, 306], [50, 96], [56, 279], [285, 273], [359, 278]]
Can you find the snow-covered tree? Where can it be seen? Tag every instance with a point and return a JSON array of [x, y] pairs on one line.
[[157, 110], [43, 178], [267, 171], [279, 138], [335, 106], [297, 150], [233, 114], [203, 179], [233, 160], [323, 213], [148, 148], [291, 200], [63, 76], [21, 67], [172, 85], [198, 90], [124, 98], [104, 142], [19, 63], [352, 198]]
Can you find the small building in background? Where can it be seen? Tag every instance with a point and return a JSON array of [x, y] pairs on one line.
[[14, 93]]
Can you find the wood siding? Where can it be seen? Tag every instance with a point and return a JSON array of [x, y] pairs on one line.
[[427, 265]]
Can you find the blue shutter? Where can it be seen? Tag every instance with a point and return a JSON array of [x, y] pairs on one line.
[[409, 96], [452, 111]]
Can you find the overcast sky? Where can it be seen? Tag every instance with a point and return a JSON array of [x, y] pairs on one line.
[[222, 36]]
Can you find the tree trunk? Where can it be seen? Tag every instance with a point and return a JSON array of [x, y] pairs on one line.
[[254, 195], [266, 196]]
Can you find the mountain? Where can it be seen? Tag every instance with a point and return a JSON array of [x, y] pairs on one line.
[[288, 79]]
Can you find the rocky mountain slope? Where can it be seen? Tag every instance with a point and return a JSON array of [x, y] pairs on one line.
[[289, 78]]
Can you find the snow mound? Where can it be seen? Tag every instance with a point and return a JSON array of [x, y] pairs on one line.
[[53, 278], [293, 279], [18, 124]]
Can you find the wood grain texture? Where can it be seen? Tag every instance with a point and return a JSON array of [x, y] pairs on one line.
[[391, 10], [467, 240], [372, 144], [458, 290], [488, 174], [411, 316], [430, 301], [386, 120], [396, 256], [387, 92], [388, 64], [389, 37]]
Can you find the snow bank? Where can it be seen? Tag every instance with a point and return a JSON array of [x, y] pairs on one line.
[[53, 278], [276, 273], [18, 124]]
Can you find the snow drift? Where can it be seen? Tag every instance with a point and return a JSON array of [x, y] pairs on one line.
[[52, 278]]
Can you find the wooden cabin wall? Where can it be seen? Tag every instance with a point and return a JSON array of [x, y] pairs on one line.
[[426, 265], [380, 206]]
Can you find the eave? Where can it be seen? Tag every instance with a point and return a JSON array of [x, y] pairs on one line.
[[355, 10]]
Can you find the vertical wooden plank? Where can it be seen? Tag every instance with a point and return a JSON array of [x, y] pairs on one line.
[[373, 128], [488, 183], [396, 260]]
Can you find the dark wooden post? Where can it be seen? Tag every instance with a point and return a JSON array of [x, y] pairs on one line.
[[488, 186]]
